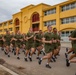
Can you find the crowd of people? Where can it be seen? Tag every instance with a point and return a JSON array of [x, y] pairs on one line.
[[37, 42]]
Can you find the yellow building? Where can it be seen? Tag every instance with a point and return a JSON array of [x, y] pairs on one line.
[[62, 16], [6, 25]]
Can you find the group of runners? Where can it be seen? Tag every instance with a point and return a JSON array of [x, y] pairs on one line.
[[37, 42]]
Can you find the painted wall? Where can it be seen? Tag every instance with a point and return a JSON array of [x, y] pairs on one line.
[[25, 17]]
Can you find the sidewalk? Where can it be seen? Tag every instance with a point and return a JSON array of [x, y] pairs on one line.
[[33, 68], [6, 71], [66, 44]]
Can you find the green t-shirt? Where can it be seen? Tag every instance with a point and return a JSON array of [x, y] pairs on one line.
[[31, 40], [18, 36], [13, 41], [7, 37], [39, 37], [55, 36], [48, 36]]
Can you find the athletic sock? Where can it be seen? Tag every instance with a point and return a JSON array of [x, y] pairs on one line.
[[41, 59]]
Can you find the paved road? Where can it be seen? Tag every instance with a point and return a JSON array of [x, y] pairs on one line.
[[33, 68], [67, 44]]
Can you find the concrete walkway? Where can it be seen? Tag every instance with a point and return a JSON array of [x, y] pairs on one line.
[[8, 70], [67, 44], [33, 68]]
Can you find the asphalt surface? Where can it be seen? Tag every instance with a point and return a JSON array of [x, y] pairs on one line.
[[33, 68]]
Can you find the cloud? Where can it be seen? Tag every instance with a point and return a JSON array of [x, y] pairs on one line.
[[7, 8]]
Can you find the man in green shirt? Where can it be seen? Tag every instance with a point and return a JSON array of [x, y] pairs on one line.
[[18, 41], [48, 40], [38, 42], [73, 39], [7, 39], [29, 44], [56, 42]]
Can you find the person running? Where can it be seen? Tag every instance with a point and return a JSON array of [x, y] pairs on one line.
[[38, 42], [58, 41], [18, 40], [48, 40], [29, 45], [73, 39], [7, 39], [55, 44]]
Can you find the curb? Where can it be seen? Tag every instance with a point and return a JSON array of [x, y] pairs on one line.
[[8, 70]]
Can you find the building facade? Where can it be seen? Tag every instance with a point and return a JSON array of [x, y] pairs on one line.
[[62, 16]]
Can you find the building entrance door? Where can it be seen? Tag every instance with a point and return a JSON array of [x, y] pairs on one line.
[[35, 27], [16, 29]]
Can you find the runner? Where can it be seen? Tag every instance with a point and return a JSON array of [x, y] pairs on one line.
[[48, 40], [18, 40], [7, 39], [73, 39], [38, 42], [58, 41], [29, 44], [55, 44]]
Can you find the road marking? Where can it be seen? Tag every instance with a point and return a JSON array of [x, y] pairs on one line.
[[8, 70]]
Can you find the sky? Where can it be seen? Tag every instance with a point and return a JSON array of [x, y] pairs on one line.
[[10, 7]]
